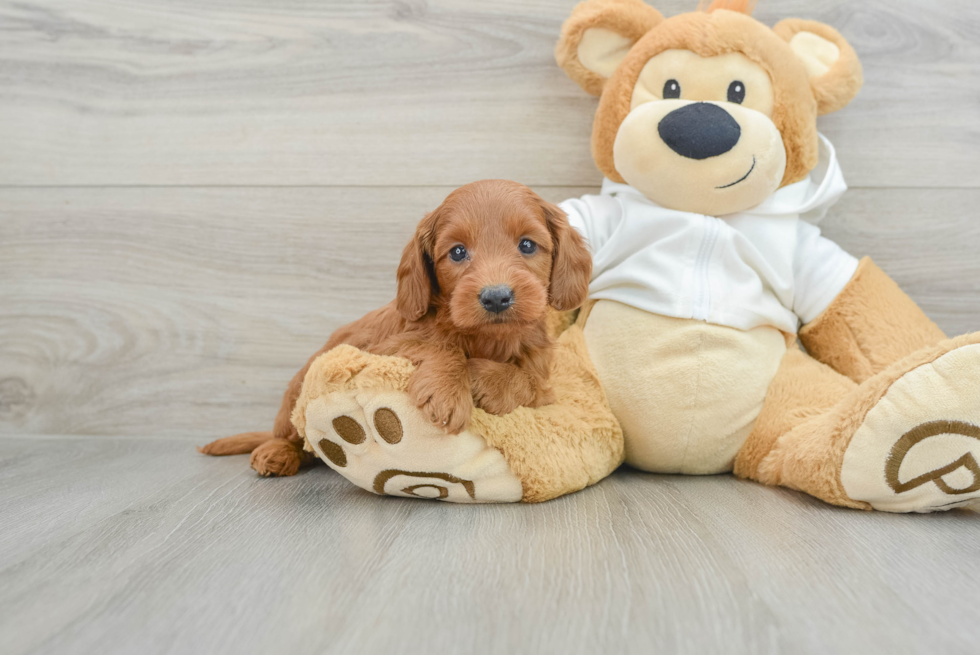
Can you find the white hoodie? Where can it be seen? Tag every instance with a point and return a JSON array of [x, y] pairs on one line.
[[764, 266]]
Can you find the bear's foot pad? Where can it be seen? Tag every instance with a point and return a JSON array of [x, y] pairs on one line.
[[381, 442], [918, 449]]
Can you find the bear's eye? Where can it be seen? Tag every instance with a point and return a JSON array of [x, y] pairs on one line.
[[527, 247], [736, 92], [672, 89], [457, 253]]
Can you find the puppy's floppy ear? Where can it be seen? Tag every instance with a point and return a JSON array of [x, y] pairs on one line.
[[830, 61], [416, 273], [597, 36], [571, 261]]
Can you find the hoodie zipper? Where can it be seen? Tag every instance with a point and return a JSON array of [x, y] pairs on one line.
[[702, 266]]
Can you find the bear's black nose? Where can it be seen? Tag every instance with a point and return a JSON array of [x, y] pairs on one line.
[[699, 130], [496, 299]]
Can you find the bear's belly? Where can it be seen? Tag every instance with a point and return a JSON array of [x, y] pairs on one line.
[[686, 392]]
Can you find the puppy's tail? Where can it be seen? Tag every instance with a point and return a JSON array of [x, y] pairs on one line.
[[238, 444]]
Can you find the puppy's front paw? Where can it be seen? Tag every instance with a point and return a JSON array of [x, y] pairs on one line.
[[446, 408], [497, 405], [451, 412], [496, 390]]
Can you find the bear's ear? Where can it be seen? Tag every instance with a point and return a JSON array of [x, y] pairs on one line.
[[597, 36], [830, 61]]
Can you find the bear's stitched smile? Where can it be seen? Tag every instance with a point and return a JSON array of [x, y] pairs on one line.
[[741, 179]]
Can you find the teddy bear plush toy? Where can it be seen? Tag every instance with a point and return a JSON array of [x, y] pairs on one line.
[[708, 273]]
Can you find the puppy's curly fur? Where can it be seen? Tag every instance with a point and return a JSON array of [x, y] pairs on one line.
[[464, 353]]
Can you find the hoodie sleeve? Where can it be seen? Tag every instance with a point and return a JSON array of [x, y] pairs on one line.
[[594, 217], [821, 270]]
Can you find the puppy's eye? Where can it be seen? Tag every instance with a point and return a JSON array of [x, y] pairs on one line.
[[672, 89], [736, 92], [527, 247], [457, 253]]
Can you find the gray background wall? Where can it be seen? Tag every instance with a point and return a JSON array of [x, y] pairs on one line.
[[194, 195]]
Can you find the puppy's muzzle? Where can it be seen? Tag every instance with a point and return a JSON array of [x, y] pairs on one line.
[[497, 299]]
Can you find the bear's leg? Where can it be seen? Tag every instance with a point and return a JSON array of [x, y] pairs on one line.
[[356, 415], [870, 325], [803, 392], [905, 440]]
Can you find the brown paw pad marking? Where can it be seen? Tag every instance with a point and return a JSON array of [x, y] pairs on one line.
[[921, 433], [333, 452], [382, 478], [388, 425], [349, 430]]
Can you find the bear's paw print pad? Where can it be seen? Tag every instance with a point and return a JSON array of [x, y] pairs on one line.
[[381, 442], [918, 449]]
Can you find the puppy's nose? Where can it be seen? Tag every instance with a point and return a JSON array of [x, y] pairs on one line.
[[497, 298], [699, 130]]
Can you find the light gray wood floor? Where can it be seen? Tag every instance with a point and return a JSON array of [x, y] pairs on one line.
[[118, 545], [193, 195]]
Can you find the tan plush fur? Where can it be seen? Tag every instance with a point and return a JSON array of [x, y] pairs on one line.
[[553, 450], [741, 6], [836, 88], [803, 389], [870, 325], [629, 18]]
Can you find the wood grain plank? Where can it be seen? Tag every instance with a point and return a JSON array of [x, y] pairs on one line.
[[240, 92], [110, 556], [184, 312]]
